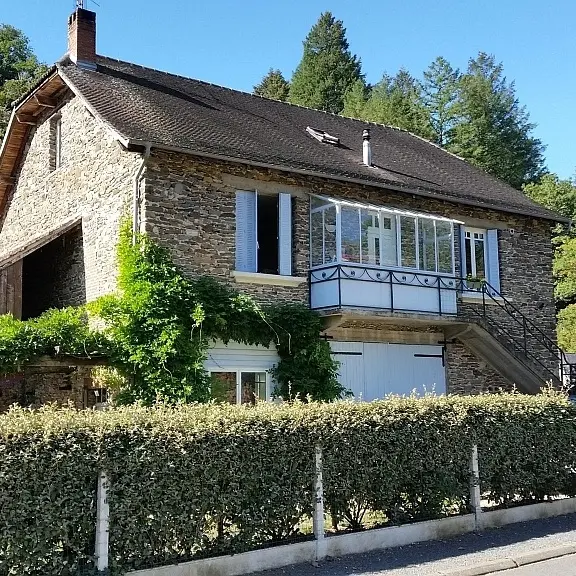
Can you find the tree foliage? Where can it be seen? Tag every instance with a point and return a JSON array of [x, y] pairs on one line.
[[493, 130], [327, 69], [555, 194], [19, 69], [440, 97], [273, 86], [395, 101]]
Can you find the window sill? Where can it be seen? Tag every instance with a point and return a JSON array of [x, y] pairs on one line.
[[266, 279], [472, 297]]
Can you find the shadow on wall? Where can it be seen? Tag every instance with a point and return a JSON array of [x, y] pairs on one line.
[[54, 276]]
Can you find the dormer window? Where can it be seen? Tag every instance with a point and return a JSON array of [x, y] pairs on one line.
[[55, 142], [323, 137]]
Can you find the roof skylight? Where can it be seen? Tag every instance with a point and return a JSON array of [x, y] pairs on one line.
[[322, 136]]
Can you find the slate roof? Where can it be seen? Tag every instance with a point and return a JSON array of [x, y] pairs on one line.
[[148, 106]]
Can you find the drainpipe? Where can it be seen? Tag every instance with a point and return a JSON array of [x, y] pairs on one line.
[[136, 195]]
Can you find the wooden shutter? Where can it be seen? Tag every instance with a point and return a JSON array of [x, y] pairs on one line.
[[285, 234], [493, 265], [11, 290], [246, 235]]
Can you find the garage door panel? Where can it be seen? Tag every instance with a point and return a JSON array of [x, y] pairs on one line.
[[372, 370]]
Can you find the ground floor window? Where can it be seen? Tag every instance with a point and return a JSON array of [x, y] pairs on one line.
[[239, 386]]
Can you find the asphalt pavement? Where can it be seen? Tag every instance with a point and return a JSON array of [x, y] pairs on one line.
[[457, 554], [565, 566]]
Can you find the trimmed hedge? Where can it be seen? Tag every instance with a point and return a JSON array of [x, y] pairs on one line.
[[212, 479]]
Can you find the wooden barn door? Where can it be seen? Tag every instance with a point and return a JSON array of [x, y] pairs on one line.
[[11, 290]]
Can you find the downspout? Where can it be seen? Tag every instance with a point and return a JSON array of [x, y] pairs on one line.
[[136, 195]]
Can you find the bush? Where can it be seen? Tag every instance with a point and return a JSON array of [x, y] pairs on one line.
[[202, 480]]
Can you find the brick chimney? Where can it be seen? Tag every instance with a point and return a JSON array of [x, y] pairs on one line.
[[82, 38]]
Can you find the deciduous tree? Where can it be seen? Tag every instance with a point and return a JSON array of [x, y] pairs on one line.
[[19, 69]]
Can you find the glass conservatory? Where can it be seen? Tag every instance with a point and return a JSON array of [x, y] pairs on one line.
[[376, 257]]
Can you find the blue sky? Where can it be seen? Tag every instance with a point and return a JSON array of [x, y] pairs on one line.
[[234, 43]]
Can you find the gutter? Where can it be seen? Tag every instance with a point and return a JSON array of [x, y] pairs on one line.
[[405, 189], [136, 194]]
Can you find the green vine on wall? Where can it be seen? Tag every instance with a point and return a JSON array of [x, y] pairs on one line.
[[159, 327]]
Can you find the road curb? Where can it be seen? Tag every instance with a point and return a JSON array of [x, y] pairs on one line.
[[509, 563]]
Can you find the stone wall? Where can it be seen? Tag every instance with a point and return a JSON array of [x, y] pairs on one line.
[[93, 185], [190, 208], [36, 386]]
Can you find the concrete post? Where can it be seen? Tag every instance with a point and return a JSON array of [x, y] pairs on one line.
[[318, 519], [475, 487], [102, 523]]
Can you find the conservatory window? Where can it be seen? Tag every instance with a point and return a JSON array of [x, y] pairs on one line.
[[354, 233]]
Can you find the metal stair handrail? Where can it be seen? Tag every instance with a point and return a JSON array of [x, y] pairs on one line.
[[529, 328]]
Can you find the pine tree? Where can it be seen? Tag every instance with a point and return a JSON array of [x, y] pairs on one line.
[[355, 100], [493, 131], [327, 69], [440, 95], [273, 86], [19, 69], [397, 101]]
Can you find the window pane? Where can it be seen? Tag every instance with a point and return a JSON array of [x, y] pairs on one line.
[[370, 237], [316, 238], [467, 257], [408, 241], [444, 243], [479, 255], [253, 386], [350, 234], [389, 252], [318, 202], [330, 234], [223, 386], [427, 245]]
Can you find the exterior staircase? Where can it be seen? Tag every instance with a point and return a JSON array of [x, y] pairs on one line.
[[499, 333]]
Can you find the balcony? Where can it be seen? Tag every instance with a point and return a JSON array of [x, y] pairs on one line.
[[374, 257], [355, 286]]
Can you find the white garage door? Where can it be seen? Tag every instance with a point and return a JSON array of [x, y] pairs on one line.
[[373, 369]]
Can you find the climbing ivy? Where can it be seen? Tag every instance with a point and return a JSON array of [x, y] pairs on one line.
[[162, 323], [157, 329]]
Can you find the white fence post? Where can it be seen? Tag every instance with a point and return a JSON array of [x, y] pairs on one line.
[[475, 487], [102, 523], [318, 519]]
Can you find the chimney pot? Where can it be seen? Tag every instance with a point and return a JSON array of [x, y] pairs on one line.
[[82, 38], [366, 147]]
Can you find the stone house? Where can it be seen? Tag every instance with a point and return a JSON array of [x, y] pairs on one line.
[[430, 274]]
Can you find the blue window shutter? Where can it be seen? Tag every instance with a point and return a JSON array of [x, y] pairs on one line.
[[463, 254], [285, 234], [493, 267], [246, 237]]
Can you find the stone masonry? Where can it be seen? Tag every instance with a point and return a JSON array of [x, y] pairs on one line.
[[93, 186], [190, 204]]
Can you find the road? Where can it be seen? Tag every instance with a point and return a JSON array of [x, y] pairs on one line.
[[565, 566], [441, 557]]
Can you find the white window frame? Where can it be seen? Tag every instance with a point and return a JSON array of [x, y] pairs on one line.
[[470, 230], [239, 372], [383, 212]]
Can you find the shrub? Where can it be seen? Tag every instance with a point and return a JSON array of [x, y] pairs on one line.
[[198, 480]]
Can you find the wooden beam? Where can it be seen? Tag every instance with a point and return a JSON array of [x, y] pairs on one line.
[[45, 101], [7, 180], [26, 119]]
